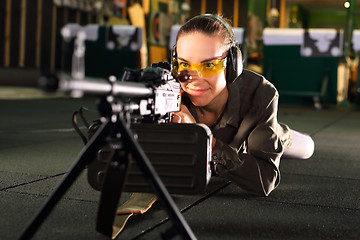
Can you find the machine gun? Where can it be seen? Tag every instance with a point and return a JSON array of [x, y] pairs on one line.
[[153, 90], [152, 94]]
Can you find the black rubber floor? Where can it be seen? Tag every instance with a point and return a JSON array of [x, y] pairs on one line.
[[317, 198]]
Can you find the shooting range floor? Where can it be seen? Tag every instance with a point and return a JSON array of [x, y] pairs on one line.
[[317, 198]]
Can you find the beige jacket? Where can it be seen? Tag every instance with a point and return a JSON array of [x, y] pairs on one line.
[[249, 139]]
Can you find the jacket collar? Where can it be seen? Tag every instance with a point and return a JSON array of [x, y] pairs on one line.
[[231, 114]]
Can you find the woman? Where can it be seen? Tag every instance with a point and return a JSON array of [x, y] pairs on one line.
[[241, 111]]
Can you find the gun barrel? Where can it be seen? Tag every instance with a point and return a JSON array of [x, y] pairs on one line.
[[97, 86]]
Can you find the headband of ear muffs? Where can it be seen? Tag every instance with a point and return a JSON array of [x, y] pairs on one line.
[[234, 58]]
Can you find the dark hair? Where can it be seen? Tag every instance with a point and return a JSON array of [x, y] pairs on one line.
[[210, 25]]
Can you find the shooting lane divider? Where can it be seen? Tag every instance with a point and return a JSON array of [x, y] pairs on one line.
[[7, 37], [219, 7], [138, 203], [53, 38], [203, 7], [38, 35], [22, 33], [236, 14]]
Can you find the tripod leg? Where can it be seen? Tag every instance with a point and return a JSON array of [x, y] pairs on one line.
[[87, 154], [112, 187]]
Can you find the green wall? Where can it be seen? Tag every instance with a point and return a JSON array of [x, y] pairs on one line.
[[321, 18], [258, 7], [326, 19]]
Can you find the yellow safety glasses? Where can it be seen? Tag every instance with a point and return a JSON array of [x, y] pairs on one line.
[[207, 69]]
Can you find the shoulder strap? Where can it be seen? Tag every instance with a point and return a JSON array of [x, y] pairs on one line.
[[138, 203]]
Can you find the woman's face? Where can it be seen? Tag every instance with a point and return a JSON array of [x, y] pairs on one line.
[[196, 48]]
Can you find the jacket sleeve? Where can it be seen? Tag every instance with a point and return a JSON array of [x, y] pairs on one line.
[[255, 168]]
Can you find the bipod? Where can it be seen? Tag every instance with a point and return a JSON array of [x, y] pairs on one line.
[[114, 125]]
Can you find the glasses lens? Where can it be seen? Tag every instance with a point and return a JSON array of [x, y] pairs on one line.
[[207, 69]]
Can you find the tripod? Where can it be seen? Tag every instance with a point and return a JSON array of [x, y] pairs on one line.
[[115, 126]]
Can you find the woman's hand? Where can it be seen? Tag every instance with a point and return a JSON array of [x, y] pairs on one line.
[[183, 116]]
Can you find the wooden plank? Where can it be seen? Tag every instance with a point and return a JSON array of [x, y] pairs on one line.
[[22, 34], [124, 12], [53, 38], [203, 7], [282, 13], [38, 35], [236, 14], [7, 34], [220, 7]]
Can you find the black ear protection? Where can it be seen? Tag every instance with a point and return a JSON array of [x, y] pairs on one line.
[[234, 60]]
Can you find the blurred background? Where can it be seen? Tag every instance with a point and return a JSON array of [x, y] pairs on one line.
[[308, 49]]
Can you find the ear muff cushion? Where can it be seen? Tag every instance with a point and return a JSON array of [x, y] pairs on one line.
[[173, 53], [235, 64]]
